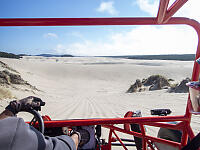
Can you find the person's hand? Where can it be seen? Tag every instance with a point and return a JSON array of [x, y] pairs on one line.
[[83, 134], [25, 104]]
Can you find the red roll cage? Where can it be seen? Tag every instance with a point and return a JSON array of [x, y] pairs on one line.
[[164, 17]]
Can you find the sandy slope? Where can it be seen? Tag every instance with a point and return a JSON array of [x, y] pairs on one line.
[[86, 87]]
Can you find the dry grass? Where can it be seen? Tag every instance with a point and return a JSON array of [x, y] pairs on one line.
[[5, 93]]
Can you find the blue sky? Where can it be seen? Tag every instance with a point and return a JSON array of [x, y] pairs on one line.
[[98, 40]]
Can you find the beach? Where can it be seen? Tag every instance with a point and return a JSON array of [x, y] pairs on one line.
[[95, 87]]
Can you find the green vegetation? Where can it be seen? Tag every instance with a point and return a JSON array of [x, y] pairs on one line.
[[9, 55], [159, 82], [5, 93]]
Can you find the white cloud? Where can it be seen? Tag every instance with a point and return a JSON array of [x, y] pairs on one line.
[[143, 39], [148, 6], [50, 35], [138, 41], [190, 8], [107, 7]]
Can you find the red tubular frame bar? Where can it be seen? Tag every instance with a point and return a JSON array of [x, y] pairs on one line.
[[162, 10], [119, 140], [153, 139], [164, 17], [173, 9]]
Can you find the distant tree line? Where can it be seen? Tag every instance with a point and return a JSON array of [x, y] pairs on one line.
[[9, 55], [181, 57]]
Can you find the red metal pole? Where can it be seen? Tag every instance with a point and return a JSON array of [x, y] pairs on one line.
[[184, 135], [120, 140], [144, 141], [196, 69], [85, 122], [190, 132], [126, 125], [110, 138], [173, 9], [162, 10], [174, 144], [123, 131], [89, 21], [154, 139], [75, 21], [150, 145]]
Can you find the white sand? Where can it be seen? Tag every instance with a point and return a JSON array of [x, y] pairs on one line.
[[87, 87]]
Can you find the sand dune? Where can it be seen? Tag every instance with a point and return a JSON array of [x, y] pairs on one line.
[[88, 87]]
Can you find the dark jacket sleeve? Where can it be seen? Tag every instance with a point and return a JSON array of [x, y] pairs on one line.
[[20, 135]]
